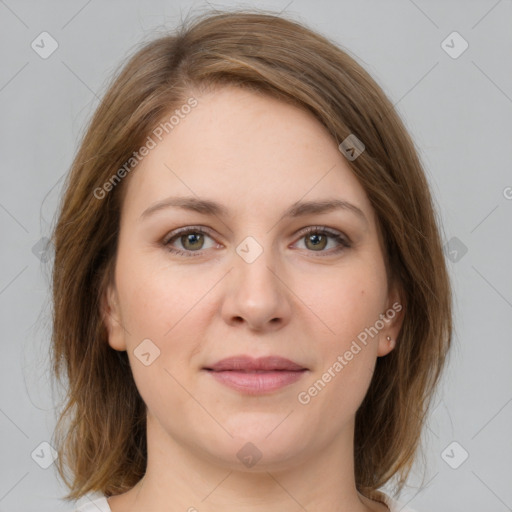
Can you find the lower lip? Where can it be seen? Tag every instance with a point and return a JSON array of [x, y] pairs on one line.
[[256, 383]]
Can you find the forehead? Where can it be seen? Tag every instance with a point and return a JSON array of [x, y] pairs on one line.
[[247, 150]]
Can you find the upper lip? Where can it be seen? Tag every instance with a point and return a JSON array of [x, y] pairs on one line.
[[247, 363]]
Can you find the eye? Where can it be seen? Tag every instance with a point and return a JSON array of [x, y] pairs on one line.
[[191, 239], [317, 238]]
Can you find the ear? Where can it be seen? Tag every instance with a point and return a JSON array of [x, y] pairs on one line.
[[393, 318], [111, 314]]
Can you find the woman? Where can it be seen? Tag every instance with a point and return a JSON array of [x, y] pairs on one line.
[[251, 304]]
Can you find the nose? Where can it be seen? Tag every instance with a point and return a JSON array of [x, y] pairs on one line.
[[257, 294]]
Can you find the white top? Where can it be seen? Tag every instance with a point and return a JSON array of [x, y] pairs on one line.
[[98, 503]]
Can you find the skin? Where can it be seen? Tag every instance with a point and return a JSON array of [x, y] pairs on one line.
[[256, 156]]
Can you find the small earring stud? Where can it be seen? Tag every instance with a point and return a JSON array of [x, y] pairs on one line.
[[388, 338]]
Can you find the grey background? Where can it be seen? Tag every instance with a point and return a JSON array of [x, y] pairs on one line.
[[459, 113]]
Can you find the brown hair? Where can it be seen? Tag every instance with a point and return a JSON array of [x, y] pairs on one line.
[[100, 435]]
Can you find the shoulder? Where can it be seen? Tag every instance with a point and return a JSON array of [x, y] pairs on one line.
[[92, 503]]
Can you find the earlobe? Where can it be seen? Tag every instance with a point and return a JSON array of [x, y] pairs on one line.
[[112, 318], [394, 319], [385, 346]]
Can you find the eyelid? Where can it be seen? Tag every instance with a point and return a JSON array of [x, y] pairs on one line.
[[342, 239], [330, 231], [184, 230]]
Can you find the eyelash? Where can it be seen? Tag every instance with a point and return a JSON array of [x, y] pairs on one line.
[[322, 230]]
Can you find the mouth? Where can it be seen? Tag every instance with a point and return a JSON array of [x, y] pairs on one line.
[[256, 382], [256, 376], [249, 364]]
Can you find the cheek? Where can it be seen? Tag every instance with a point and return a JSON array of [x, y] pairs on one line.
[[347, 300], [156, 295], [160, 322], [350, 307], [349, 303], [171, 307]]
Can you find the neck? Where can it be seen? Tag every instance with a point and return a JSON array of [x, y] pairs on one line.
[[182, 477]]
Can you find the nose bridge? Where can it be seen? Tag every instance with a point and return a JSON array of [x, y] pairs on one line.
[[254, 266], [257, 294]]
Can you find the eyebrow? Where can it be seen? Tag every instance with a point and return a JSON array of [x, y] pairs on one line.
[[297, 209]]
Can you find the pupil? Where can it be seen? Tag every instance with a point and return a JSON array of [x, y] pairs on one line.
[[317, 240], [192, 239]]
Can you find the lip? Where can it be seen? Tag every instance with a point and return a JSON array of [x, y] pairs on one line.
[[248, 363], [256, 376], [257, 383]]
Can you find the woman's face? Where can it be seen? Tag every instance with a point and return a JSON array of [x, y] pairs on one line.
[[252, 174]]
